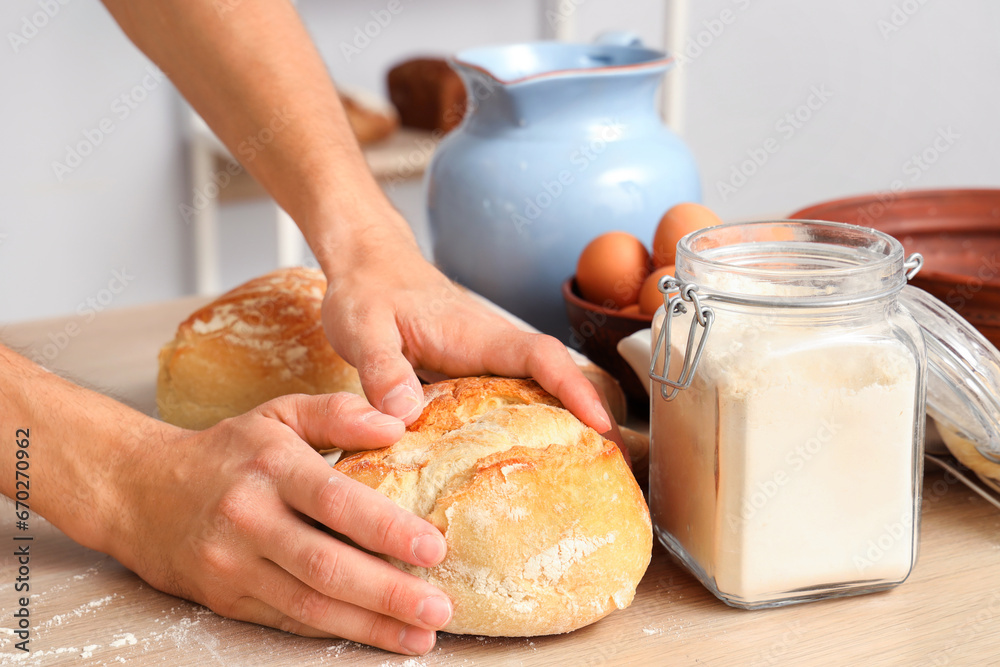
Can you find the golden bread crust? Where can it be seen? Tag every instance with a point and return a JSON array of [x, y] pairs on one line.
[[547, 530], [261, 340], [369, 125]]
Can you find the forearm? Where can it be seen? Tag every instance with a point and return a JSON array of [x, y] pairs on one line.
[[254, 74], [80, 445]]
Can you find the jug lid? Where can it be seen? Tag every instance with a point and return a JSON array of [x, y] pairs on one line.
[[963, 380]]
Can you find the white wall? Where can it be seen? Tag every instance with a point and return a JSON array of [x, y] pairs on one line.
[[63, 235], [891, 94]]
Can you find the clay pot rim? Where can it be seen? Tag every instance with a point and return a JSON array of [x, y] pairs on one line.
[[571, 294], [930, 196]]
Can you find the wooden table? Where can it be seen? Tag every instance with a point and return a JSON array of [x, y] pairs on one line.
[[88, 609]]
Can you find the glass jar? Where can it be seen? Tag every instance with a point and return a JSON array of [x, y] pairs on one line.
[[787, 430]]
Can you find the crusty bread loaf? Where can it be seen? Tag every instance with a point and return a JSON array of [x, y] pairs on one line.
[[969, 455], [428, 94], [369, 122], [261, 340], [547, 530]]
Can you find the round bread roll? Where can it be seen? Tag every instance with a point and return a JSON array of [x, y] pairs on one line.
[[547, 530], [969, 455], [370, 121], [262, 340]]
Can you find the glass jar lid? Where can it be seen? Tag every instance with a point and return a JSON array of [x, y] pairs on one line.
[[963, 382]]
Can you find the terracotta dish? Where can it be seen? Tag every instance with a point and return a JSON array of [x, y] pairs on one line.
[[595, 331], [957, 232]]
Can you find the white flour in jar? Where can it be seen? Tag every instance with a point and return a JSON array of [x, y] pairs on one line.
[[789, 463]]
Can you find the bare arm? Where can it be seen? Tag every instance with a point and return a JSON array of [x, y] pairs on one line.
[[216, 516], [387, 310], [248, 70]]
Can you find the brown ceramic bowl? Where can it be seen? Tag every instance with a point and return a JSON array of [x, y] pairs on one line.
[[957, 232], [595, 331]]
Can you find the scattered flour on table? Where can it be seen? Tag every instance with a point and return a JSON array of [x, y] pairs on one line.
[[652, 631], [341, 646], [185, 635], [79, 612], [126, 639]]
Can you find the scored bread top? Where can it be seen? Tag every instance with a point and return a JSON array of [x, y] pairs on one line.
[[258, 341], [463, 420], [546, 528], [448, 405], [467, 424]]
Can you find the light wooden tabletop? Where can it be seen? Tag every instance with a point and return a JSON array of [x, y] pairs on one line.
[[88, 609]]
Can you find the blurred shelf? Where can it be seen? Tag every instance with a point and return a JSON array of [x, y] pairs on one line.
[[401, 157]]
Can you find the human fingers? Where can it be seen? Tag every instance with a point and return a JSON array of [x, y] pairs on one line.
[[359, 512], [524, 354], [277, 599], [375, 348], [339, 571], [339, 420], [482, 342]]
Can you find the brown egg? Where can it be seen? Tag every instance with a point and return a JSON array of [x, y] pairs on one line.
[[676, 223], [650, 297], [632, 309], [611, 269]]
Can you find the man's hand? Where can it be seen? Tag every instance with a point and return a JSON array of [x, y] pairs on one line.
[[232, 517], [388, 311]]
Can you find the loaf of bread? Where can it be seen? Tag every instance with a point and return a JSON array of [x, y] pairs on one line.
[[547, 530], [261, 340], [428, 94], [969, 455], [369, 121]]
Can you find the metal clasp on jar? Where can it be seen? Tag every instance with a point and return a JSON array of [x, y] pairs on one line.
[[913, 264], [674, 306], [704, 316]]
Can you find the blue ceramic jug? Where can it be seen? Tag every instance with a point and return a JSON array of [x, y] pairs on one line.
[[560, 143]]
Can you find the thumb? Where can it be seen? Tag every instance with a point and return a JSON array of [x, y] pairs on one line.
[[334, 420], [404, 400], [388, 378]]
